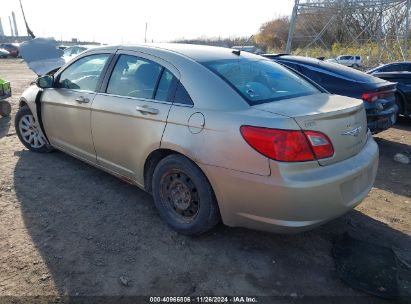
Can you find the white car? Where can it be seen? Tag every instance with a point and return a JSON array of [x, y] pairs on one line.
[[73, 51], [354, 61]]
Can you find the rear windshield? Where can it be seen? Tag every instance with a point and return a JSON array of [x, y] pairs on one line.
[[261, 81]]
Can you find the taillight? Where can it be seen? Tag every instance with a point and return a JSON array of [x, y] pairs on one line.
[[372, 96], [288, 145], [320, 143]]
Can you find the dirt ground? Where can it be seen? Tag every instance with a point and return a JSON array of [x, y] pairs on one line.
[[67, 228]]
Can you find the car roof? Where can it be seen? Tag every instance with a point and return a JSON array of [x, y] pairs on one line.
[[200, 53], [335, 68]]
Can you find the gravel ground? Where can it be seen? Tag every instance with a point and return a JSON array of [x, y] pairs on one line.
[[69, 229]]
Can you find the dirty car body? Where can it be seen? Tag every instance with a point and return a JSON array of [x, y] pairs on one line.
[[212, 133]]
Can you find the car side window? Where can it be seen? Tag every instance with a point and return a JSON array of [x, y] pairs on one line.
[[182, 96], [402, 67], [170, 89], [291, 65], [84, 73], [134, 77], [393, 68], [311, 74], [166, 87]]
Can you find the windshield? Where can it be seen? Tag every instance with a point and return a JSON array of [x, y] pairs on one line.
[[261, 81]]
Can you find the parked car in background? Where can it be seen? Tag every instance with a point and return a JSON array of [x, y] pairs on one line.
[[4, 53], [403, 66], [330, 60], [211, 132], [12, 48], [378, 95], [399, 72], [354, 61], [72, 51]]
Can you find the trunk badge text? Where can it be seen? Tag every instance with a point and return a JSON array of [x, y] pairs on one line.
[[354, 132]]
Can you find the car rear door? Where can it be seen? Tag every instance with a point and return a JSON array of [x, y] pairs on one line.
[[130, 113], [66, 106]]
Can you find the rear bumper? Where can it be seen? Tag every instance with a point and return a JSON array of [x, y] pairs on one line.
[[295, 197], [384, 120]]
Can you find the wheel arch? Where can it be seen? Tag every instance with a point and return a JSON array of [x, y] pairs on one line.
[[152, 161], [155, 157], [23, 102]]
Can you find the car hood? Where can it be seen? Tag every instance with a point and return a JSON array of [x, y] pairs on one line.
[[42, 55]]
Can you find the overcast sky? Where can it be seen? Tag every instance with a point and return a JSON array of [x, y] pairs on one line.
[[123, 21]]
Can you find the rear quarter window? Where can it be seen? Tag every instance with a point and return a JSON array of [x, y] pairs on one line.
[[182, 96]]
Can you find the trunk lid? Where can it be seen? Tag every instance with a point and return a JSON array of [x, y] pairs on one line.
[[342, 119]]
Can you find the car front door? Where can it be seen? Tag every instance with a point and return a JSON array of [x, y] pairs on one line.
[[129, 116], [66, 107]]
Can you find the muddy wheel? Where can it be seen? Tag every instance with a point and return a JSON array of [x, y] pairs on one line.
[[183, 196]]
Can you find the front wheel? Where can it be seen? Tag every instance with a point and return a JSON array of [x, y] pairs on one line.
[[28, 131], [183, 196]]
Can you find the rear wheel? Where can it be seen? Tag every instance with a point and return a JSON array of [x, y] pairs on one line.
[[28, 131], [400, 104], [183, 196]]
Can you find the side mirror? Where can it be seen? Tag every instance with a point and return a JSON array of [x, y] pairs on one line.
[[45, 81]]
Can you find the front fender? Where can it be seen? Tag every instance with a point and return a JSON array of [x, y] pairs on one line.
[[31, 98]]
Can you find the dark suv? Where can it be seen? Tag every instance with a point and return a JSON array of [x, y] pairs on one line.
[[378, 95]]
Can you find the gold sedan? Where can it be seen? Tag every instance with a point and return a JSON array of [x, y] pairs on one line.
[[212, 133]]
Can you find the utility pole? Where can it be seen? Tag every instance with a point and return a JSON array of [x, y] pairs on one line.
[[407, 29], [292, 27], [145, 35]]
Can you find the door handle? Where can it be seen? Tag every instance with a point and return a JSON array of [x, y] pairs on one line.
[[145, 109], [81, 99]]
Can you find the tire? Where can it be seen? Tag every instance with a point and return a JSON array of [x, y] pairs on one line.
[[399, 103], [28, 133], [183, 196], [5, 108]]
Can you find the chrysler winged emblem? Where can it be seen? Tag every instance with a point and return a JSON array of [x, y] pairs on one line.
[[354, 132]]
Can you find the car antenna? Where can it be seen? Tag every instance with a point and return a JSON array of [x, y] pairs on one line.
[[238, 52]]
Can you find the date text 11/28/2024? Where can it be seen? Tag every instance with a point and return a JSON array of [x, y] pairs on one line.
[[200, 299]]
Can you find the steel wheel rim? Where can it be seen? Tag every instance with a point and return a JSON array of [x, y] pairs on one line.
[[180, 195], [30, 133]]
